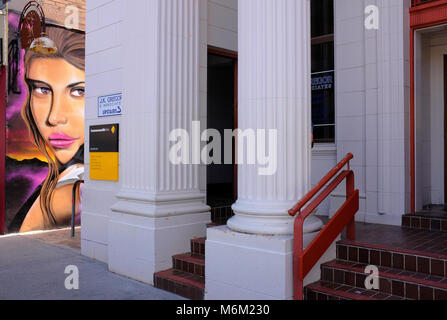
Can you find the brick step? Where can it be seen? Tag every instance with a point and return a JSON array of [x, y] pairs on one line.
[[184, 284], [189, 263], [396, 282], [213, 224], [397, 258], [198, 246], [424, 221], [323, 290]]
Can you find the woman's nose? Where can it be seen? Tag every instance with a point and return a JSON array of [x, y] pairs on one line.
[[57, 114]]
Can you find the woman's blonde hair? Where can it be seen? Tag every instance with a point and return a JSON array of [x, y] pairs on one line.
[[70, 47]]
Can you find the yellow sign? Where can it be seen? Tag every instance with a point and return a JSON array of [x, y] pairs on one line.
[[104, 152], [104, 166]]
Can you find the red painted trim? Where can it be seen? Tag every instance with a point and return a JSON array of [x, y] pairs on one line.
[[429, 14], [2, 147], [412, 126], [425, 15]]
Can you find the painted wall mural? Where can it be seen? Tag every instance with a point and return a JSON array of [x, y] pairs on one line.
[[45, 130]]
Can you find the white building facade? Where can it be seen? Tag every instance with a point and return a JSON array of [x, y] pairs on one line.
[[156, 54]]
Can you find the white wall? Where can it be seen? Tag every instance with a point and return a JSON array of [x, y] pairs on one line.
[[222, 24], [104, 64], [372, 105]]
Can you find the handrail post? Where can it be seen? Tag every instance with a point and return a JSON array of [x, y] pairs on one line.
[[298, 256], [73, 208], [350, 229]]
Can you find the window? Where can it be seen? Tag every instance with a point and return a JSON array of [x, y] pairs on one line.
[[323, 80]]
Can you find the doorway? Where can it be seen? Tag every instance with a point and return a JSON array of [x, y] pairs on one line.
[[430, 118], [222, 115], [445, 129]]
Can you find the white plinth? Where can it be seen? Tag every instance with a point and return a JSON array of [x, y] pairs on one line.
[[242, 266], [140, 246]]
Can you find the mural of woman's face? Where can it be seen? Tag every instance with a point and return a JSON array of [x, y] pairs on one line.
[[57, 104]]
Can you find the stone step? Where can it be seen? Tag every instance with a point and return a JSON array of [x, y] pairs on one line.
[[198, 246], [396, 282], [184, 284], [189, 263], [323, 290], [397, 258]]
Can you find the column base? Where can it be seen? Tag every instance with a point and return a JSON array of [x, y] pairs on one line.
[[242, 266], [268, 219], [140, 246]]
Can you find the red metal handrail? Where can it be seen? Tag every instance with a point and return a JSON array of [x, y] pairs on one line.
[[415, 3], [305, 260]]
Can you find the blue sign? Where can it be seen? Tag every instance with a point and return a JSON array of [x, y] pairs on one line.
[[111, 105]]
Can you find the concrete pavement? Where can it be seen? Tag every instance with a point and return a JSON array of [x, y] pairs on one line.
[[32, 267]]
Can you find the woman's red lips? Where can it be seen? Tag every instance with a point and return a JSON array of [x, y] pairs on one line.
[[61, 141]]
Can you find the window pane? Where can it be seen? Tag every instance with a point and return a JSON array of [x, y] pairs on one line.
[[323, 111], [323, 57], [322, 17]]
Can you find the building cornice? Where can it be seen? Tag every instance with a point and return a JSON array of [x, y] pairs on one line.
[[428, 14]]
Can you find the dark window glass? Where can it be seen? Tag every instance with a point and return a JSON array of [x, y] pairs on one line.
[[322, 57], [322, 17], [323, 78]]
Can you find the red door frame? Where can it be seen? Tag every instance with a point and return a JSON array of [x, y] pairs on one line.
[[426, 15], [2, 147]]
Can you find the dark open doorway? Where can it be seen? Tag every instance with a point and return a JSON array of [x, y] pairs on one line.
[[445, 129], [222, 114]]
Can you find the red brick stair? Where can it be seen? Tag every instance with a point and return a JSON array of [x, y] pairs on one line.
[[187, 277], [404, 272]]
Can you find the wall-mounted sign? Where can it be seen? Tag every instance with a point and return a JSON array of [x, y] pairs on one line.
[[110, 105], [104, 152], [323, 98]]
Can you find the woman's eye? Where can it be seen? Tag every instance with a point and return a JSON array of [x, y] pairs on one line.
[[42, 90], [78, 92]]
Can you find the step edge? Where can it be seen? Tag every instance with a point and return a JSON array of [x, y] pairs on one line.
[[168, 274], [392, 249], [337, 293], [390, 276], [187, 257]]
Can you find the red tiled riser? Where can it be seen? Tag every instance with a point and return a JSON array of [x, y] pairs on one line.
[[408, 260], [185, 285], [198, 246], [323, 290], [189, 263], [221, 215], [396, 282], [424, 223]]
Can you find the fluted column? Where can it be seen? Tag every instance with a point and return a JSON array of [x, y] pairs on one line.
[[275, 93], [161, 94], [160, 207]]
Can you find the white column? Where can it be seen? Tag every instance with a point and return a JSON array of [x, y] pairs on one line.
[[274, 93], [160, 207], [252, 257]]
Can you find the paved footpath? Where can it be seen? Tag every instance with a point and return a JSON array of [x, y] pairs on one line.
[[33, 267]]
